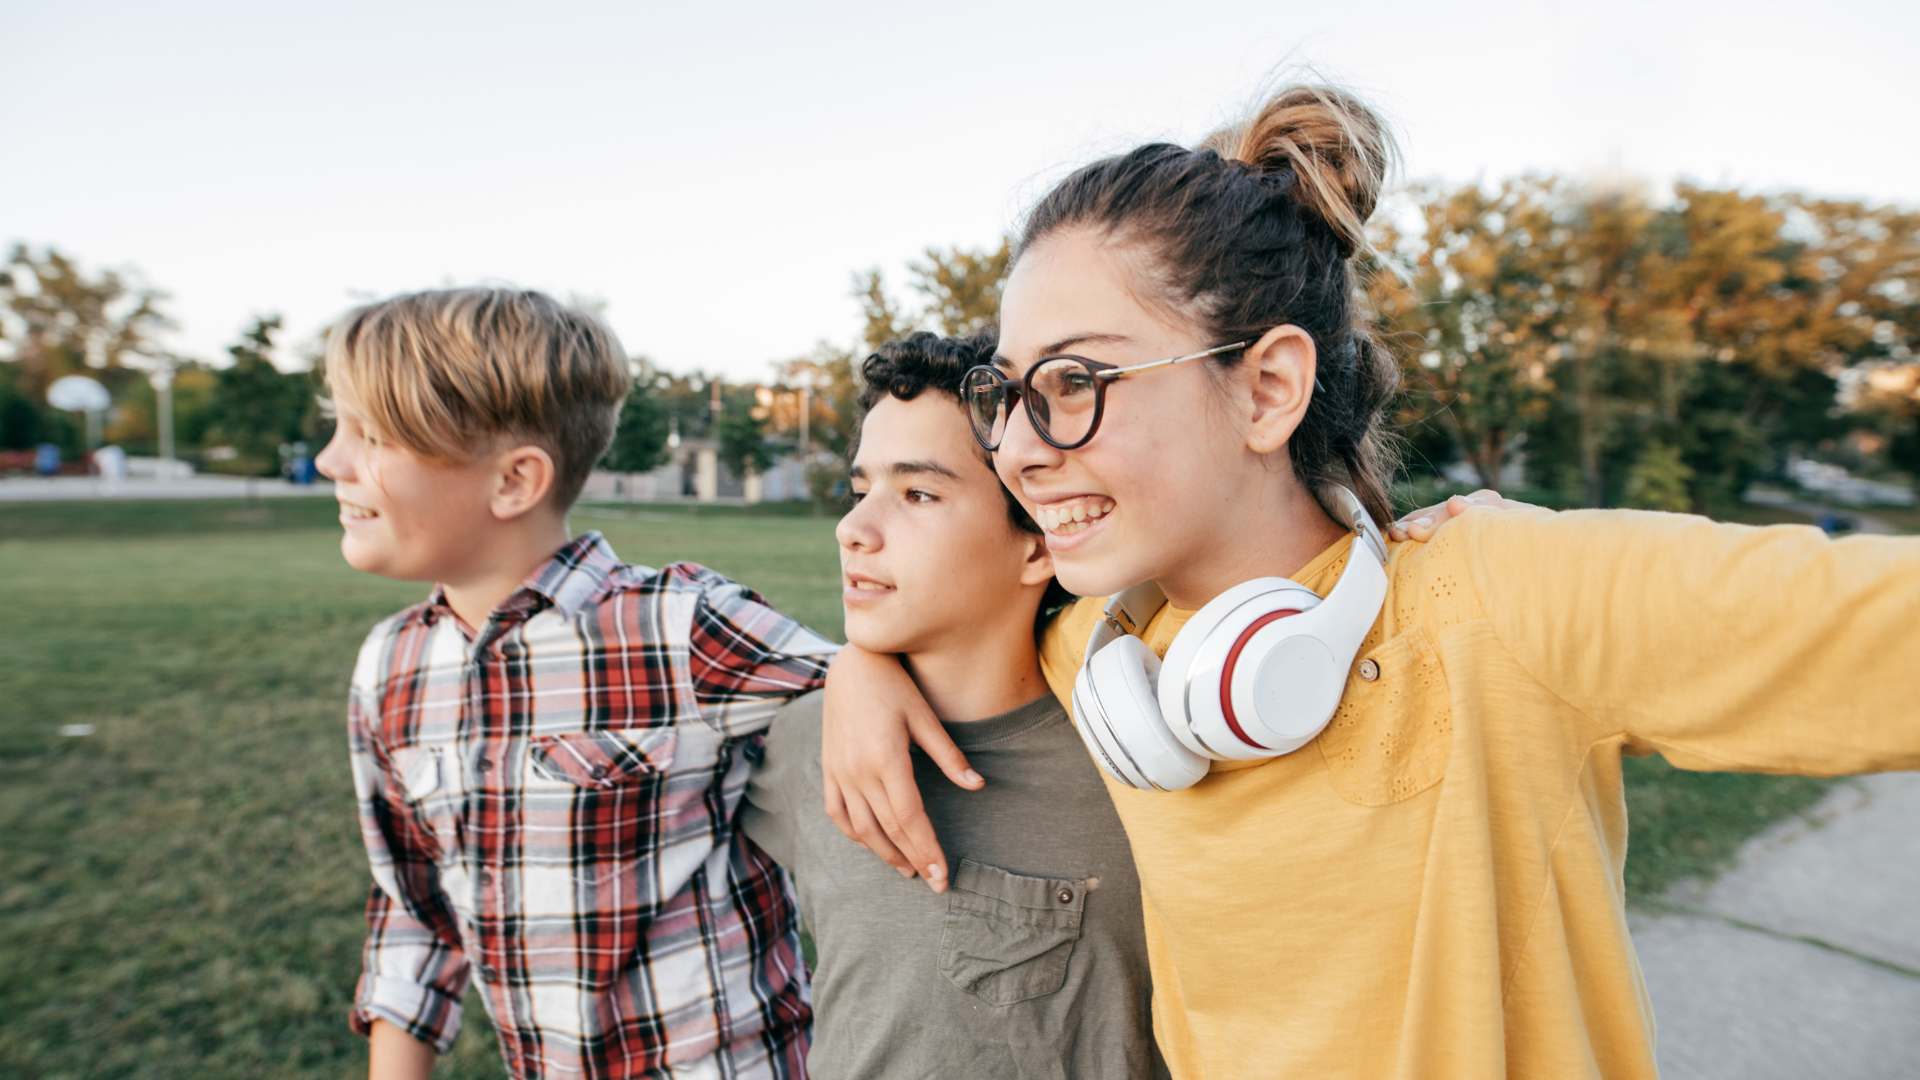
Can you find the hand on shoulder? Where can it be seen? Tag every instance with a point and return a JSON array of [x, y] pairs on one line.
[[1421, 524]]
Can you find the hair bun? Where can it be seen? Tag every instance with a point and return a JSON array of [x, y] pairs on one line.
[[1338, 149]]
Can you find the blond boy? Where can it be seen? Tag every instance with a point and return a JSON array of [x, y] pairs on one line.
[[548, 750]]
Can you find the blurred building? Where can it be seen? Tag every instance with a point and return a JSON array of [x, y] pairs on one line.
[[695, 473]]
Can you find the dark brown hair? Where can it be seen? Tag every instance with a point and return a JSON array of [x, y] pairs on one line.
[[1256, 229], [906, 367]]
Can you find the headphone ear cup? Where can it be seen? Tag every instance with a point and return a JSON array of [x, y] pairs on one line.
[[1118, 714]]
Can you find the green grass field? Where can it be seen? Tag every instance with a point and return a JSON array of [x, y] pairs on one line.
[[180, 891]]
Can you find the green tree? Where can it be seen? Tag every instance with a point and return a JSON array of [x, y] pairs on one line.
[[64, 321], [743, 441], [21, 419], [255, 407], [1469, 302], [962, 286], [1659, 480], [1595, 324], [884, 318], [640, 440], [832, 398]]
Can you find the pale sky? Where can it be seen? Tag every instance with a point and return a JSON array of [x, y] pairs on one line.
[[715, 173]]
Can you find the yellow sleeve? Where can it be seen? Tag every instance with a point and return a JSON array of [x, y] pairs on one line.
[[1724, 647], [1063, 645]]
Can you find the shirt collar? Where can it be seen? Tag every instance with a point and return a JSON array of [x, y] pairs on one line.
[[566, 582], [571, 578]]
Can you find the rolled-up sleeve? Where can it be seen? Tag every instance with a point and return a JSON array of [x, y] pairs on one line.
[[414, 970], [746, 658]]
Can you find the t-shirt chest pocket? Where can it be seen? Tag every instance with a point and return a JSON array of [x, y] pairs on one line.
[[1392, 735], [1008, 937]]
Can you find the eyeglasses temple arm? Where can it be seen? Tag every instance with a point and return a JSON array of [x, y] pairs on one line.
[[1113, 373]]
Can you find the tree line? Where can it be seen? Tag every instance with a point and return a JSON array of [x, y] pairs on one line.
[[57, 320], [1620, 350], [1656, 355]]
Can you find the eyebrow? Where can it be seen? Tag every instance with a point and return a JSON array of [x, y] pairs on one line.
[[1066, 343], [909, 468]]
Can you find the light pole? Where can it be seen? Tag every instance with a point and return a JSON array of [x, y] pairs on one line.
[[162, 380]]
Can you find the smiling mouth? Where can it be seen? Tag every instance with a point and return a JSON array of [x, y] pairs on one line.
[[1069, 516], [865, 585], [357, 512]]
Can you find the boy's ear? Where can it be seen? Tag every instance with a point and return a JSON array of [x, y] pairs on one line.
[[523, 478], [1038, 568]]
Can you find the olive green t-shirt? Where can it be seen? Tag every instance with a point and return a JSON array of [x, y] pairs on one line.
[[1032, 964]]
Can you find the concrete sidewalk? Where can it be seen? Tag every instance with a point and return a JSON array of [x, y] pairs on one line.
[[1805, 960], [66, 488]]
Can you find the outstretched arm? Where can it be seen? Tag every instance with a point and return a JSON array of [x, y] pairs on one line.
[[874, 715]]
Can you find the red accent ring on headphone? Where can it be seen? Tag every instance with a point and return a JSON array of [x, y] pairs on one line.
[[1226, 673]]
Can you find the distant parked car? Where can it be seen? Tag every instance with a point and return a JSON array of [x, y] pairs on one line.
[[1834, 524]]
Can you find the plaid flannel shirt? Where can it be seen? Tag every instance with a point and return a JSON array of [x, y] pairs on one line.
[[549, 803]]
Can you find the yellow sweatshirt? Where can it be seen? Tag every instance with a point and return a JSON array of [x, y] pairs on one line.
[[1433, 887]]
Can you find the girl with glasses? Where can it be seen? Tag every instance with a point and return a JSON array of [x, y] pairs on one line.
[[1425, 878]]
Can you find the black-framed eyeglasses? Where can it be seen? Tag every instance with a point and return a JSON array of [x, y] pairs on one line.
[[1065, 396]]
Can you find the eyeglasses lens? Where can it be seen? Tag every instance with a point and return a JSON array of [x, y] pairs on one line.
[[986, 406], [1064, 399]]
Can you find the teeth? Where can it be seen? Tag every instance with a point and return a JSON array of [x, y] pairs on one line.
[[353, 511], [1071, 516]]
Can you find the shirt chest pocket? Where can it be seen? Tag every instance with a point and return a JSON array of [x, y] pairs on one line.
[[1392, 735], [431, 781], [593, 799], [599, 760], [1008, 937]]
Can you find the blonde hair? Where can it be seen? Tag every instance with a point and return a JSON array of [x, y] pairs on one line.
[[449, 372]]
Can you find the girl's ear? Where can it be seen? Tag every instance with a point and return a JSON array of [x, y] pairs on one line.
[[1038, 568], [1277, 373]]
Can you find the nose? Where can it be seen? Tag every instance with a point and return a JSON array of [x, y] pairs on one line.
[[1022, 448], [858, 530], [331, 461]]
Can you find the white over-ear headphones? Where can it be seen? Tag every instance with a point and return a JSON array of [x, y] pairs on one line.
[[1256, 673]]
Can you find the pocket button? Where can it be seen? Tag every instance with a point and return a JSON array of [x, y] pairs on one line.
[[1066, 896]]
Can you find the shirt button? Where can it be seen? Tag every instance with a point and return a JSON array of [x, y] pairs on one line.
[[599, 772], [487, 764], [486, 877], [1369, 670], [1066, 896], [489, 973]]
